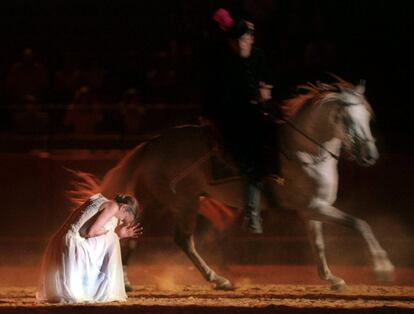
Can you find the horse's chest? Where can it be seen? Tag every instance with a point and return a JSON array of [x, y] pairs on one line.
[[323, 174]]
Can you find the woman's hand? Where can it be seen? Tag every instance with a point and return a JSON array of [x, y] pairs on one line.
[[129, 231]]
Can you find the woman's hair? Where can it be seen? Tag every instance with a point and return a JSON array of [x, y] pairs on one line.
[[133, 206]]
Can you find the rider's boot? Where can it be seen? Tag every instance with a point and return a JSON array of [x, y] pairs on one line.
[[252, 218]]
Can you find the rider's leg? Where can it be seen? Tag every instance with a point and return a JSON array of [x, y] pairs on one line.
[[252, 166], [247, 148], [252, 217]]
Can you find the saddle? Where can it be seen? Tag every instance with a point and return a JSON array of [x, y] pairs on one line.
[[222, 170], [222, 165]]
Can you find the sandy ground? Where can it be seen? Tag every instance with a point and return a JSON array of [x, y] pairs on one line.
[[261, 298], [259, 289]]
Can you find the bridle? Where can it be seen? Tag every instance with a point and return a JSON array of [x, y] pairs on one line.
[[354, 137]]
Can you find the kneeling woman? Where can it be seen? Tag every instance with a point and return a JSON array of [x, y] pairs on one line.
[[82, 262]]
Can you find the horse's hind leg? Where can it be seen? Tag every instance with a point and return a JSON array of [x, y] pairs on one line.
[[315, 234], [185, 240], [127, 246], [383, 268], [186, 243]]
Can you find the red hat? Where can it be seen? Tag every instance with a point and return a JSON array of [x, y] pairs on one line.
[[233, 27]]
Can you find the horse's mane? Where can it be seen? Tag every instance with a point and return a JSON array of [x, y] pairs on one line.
[[318, 93]]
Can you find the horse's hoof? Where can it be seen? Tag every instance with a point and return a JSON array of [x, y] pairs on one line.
[[338, 284], [128, 288], [223, 284]]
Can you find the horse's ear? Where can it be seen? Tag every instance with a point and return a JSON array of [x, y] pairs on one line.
[[360, 88], [338, 78]]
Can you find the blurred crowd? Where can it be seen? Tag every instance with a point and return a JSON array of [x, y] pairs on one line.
[[108, 80], [85, 96]]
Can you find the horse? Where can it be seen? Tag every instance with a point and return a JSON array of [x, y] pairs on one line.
[[172, 170]]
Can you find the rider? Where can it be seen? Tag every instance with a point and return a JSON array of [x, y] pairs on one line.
[[238, 84]]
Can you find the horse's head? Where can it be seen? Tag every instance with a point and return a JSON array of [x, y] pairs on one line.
[[349, 115], [353, 120]]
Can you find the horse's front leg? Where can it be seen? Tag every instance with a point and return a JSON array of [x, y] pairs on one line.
[[315, 234], [382, 266], [185, 240]]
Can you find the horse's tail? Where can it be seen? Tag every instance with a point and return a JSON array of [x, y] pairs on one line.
[[84, 186], [116, 180], [119, 179]]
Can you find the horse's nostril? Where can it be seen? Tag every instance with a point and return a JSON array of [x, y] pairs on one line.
[[369, 160]]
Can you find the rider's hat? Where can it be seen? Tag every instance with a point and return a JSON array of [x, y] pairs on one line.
[[233, 27]]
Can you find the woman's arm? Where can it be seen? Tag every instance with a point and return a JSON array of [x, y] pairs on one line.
[[105, 213]]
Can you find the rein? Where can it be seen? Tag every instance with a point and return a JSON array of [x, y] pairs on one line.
[[204, 158], [190, 169], [297, 129]]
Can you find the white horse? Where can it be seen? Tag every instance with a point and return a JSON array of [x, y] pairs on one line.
[[171, 171], [329, 117]]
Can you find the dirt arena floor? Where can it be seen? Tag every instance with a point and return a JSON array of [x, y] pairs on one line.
[[258, 289]]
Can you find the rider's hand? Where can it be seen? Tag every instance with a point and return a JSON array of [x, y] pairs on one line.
[[265, 92], [129, 231]]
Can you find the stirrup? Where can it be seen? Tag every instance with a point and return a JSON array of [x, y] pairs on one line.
[[277, 179]]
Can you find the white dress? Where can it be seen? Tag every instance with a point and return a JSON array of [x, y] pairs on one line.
[[76, 269]]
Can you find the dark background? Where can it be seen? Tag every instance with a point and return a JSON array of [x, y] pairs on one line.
[[371, 40], [356, 39]]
